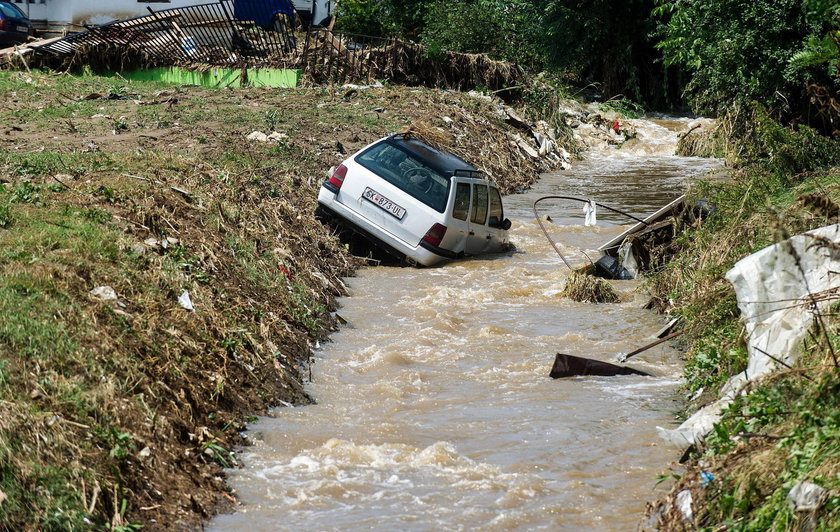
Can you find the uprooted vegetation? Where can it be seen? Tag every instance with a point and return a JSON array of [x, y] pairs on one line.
[[583, 287], [784, 429], [121, 206]]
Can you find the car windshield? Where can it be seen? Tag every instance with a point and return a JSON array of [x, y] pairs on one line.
[[11, 10], [407, 173]]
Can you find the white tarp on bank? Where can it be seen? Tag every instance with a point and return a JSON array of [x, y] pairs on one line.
[[778, 291]]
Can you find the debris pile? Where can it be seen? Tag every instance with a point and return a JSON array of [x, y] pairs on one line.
[[650, 243], [587, 288]]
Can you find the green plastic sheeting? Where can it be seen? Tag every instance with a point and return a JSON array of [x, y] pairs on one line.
[[219, 77]]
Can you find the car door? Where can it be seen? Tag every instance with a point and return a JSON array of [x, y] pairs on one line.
[[495, 221], [459, 214], [479, 235]]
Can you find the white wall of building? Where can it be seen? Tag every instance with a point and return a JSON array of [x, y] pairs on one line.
[[91, 12]]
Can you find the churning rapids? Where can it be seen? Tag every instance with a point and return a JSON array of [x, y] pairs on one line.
[[434, 409]]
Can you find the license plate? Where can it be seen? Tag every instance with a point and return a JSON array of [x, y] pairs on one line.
[[23, 29], [384, 203]]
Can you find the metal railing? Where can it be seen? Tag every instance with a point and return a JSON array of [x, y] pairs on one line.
[[210, 33], [223, 33]]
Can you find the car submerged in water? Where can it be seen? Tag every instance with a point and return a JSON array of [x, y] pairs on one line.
[[402, 199]]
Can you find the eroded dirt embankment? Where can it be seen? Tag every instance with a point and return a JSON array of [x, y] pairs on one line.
[[162, 278]]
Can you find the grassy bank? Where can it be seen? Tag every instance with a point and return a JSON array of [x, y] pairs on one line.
[[786, 428], [118, 201]]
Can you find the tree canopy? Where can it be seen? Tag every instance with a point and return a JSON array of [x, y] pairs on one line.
[[713, 54]]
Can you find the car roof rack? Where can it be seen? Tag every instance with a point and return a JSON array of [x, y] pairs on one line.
[[477, 174]]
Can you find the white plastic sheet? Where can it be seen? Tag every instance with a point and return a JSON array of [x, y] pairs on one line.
[[774, 288], [628, 260], [590, 212]]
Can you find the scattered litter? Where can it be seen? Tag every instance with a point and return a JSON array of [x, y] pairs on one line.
[[627, 260], [185, 301], [706, 478], [258, 136], [104, 293], [144, 453], [525, 146], [376, 85], [2, 497], [684, 501], [572, 366], [805, 497], [609, 267]]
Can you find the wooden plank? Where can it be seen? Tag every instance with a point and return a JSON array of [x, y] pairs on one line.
[[145, 20], [31, 44], [653, 218]]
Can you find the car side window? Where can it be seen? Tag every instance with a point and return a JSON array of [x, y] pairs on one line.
[[479, 204], [462, 202], [496, 213]]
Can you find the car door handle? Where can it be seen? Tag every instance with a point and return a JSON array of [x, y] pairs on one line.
[[472, 233]]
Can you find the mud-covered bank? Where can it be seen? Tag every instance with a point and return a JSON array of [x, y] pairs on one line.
[[163, 277]]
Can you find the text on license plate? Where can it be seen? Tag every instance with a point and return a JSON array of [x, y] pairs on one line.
[[23, 29], [383, 203]]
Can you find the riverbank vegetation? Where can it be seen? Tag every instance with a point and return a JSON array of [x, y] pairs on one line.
[[785, 429], [661, 53]]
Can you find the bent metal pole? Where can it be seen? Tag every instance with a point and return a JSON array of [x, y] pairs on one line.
[[572, 198]]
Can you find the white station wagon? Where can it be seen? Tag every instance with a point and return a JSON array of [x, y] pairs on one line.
[[416, 204]]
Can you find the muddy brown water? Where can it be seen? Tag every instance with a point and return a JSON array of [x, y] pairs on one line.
[[434, 409]]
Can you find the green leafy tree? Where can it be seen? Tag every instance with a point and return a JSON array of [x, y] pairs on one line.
[[386, 18], [739, 51], [605, 42], [501, 29]]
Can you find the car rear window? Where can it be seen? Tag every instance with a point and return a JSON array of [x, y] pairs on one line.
[[407, 173], [11, 10]]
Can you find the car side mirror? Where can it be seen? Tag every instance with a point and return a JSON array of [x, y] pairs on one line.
[[494, 222]]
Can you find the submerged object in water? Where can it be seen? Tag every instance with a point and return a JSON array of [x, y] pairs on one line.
[[572, 366]]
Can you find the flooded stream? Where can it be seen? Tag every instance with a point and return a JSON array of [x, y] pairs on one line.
[[434, 409]]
